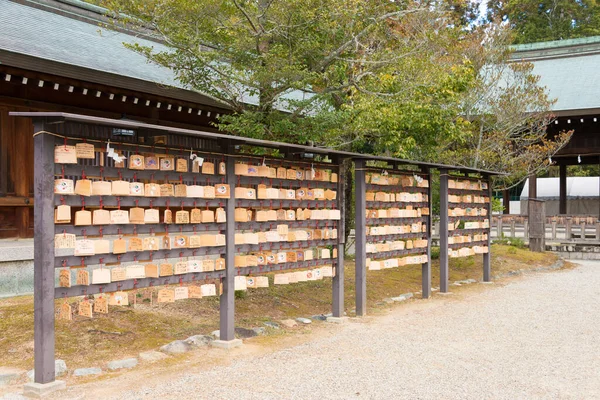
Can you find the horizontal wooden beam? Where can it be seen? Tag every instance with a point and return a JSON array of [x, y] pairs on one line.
[[16, 201]]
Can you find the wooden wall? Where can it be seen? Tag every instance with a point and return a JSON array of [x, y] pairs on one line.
[[16, 174]]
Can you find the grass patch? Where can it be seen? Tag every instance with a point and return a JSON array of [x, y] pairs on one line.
[[126, 331]]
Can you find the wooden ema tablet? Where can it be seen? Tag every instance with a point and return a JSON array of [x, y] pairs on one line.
[[207, 216], [64, 241], [194, 266], [83, 217], [180, 242], [151, 271], [135, 244], [180, 268], [182, 165], [85, 151], [65, 312], [136, 215], [136, 161], [151, 163], [150, 243], [167, 164], [261, 282], [64, 186], [119, 217], [209, 192], [208, 168], [136, 189], [166, 269], [64, 278], [118, 299], [222, 168], [101, 246], [208, 290], [220, 215], [62, 214], [135, 272], [120, 188], [195, 216], [101, 305], [281, 279], [182, 217], [101, 188], [219, 264], [151, 216], [84, 247], [194, 242], [118, 274], [252, 170], [119, 246], [101, 276], [181, 293], [181, 190], [207, 265], [83, 277], [65, 154], [194, 292], [152, 190], [83, 187], [168, 217], [85, 308], [167, 190]]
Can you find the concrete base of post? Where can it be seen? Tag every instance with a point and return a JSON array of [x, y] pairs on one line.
[[41, 390], [445, 293], [487, 282], [337, 320], [226, 344]]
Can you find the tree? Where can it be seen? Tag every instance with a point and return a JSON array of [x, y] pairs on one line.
[[506, 114], [544, 20], [303, 57]]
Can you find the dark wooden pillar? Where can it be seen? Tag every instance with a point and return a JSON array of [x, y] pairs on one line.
[[43, 258], [338, 279], [506, 201], [444, 230], [532, 186], [227, 304], [562, 192], [361, 238]]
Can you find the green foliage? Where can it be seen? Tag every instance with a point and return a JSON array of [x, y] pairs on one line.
[[543, 20], [497, 205], [513, 242], [435, 252], [240, 294]]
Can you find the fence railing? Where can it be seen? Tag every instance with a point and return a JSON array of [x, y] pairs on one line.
[[562, 227]]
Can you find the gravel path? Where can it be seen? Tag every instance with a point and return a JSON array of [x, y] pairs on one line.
[[537, 337]]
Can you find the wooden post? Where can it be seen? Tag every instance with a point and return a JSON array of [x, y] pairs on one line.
[[338, 279], [361, 239], [562, 189], [444, 230], [499, 227], [43, 256], [537, 225], [582, 229], [513, 228], [487, 263], [525, 229], [568, 227], [227, 301], [426, 267], [506, 201]]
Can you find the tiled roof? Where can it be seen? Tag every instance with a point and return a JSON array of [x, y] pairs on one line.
[[569, 69]]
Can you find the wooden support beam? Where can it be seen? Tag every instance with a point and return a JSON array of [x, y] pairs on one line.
[[43, 295], [562, 189]]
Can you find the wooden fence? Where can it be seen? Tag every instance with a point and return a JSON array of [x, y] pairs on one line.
[[571, 227]]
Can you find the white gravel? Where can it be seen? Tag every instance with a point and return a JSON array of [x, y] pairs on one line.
[[538, 337]]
